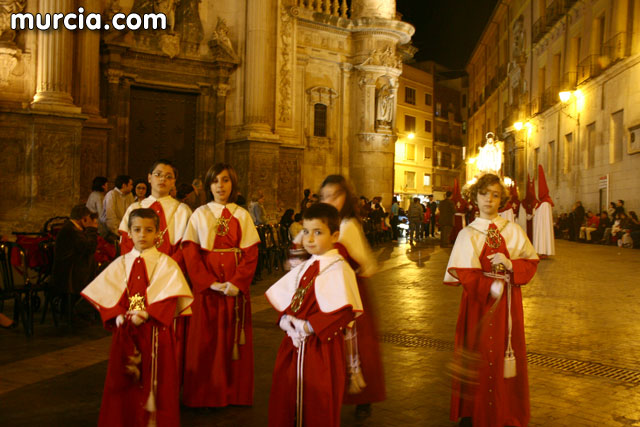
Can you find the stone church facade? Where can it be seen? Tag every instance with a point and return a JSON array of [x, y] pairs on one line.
[[287, 91]]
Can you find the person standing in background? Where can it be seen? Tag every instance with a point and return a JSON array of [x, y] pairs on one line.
[[445, 219]]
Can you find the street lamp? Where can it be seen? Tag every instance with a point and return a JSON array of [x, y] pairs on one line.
[[411, 135]]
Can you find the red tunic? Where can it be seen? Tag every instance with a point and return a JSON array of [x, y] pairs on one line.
[[368, 346], [125, 397], [211, 377], [171, 225], [494, 401], [324, 365]]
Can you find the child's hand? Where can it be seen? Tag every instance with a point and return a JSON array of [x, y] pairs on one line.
[[138, 317], [302, 327], [230, 289], [500, 258], [119, 320], [218, 287]]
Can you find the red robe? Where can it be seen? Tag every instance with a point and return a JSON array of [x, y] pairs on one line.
[[329, 305], [354, 248], [494, 401], [211, 377], [174, 217], [126, 400]]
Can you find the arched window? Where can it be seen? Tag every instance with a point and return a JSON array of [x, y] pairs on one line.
[[320, 120]]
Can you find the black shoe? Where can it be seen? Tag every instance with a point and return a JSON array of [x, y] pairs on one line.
[[465, 422], [363, 411]]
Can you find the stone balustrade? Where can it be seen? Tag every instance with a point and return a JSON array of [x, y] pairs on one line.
[[337, 8]]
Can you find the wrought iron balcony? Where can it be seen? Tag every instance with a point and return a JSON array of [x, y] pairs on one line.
[[589, 68], [614, 48]]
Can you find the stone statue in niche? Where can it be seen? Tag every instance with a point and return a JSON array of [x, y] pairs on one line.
[[518, 39], [168, 7], [220, 43], [384, 110], [188, 25]]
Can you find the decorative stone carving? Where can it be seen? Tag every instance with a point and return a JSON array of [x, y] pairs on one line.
[[7, 8], [322, 94], [168, 7], [285, 83], [170, 44], [9, 58], [220, 43], [189, 26], [385, 106], [373, 9], [384, 58], [519, 40], [113, 8], [288, 179]]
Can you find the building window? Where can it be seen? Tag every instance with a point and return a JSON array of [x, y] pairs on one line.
[[438, 109], [617, 136], [427, 152], [568, 151], [591, 146], [427, 180], [411, 152], [536, 153], [437, 180], [409, 179], [409, 123], [427, 99], [427, 126], [410, 95], [320, 120], [551, 157]]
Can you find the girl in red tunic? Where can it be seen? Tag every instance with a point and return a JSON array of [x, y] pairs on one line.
[[220, 247], [492, 258], [353, 246]]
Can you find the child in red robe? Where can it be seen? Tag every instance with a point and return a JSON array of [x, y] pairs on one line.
[[173, 214], [492, 258], [317, 301], [220, 249], [138, 295], [174, 217], [366, 380]]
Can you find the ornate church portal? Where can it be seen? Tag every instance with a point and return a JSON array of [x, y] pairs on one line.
[[288, 91]]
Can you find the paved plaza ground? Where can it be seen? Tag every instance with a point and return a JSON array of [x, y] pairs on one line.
[[582, 317]]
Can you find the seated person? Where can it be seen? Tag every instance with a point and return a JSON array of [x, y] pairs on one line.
[[604, 224], [589, 227], [73, 262]]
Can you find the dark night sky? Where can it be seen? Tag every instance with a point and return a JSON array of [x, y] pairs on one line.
[[446, 30]]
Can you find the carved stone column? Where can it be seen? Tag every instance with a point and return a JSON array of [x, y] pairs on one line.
[[54, 62], [259, 70], [87, 81]]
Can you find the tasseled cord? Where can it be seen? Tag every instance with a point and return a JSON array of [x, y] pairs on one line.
[[356, 379], [150, 406]]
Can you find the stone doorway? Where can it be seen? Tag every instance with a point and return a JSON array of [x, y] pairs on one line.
[[162, 125]]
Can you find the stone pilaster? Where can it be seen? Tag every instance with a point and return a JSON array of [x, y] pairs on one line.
[[54, 63], [259, 72], [87, 73]]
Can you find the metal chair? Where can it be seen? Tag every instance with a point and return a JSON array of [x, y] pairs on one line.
[[20, 292]]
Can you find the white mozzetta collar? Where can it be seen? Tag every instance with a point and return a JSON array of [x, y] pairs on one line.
[[482, 224]]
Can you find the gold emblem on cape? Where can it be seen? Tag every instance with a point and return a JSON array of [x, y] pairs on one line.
[[222, 226], [494, 238], [298, 297], [136, 302], [160, 238]]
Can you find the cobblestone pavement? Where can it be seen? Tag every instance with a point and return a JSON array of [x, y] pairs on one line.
[[582, 322]]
